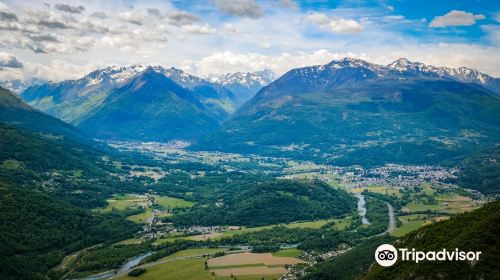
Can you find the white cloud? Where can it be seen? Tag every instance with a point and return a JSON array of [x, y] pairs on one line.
[[394, 18], [449, 55], [496, 17], [455, 18], [9, 60], [6, 13], [243, 8], [224, 62], [100, 15], [337, 25], [199, 29], [493, 32], [70, 9], [134, 17], [390, 8], [180, 18]]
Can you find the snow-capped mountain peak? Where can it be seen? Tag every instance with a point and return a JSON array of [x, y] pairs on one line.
[[244, 84], [262, 78], [462, 74], [17, 85]]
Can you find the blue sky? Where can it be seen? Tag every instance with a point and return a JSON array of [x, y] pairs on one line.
[[65, 39]]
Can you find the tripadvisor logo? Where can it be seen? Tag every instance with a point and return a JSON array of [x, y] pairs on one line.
[[387, 255]]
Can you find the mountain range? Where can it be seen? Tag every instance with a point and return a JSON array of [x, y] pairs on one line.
[[350, 111], [73, 100]]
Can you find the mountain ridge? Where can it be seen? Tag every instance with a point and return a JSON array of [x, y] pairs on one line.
[[149, 106], [72, 100], [350, 111]]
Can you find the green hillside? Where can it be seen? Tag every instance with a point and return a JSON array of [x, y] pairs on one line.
[[272, 203], [149, 107], [481, 171], [408, 121], [14, 111], [474, 231], [45, 203], [351, 265]]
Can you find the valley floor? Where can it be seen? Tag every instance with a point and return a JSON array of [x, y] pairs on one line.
[[399, 199]]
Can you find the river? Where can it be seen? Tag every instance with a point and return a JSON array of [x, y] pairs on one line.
[[362, 209], [126, 266]]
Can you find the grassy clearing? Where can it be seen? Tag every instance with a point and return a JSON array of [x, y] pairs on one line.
[[172, 202], [191, 269], [253, 277], [237, 266], [290, 253], [407, 227], [130, 241], [340, 224], [172, 239], [195, 252], [141, 217], [122, 202], [386, 190], [11, 164], [449, 203]]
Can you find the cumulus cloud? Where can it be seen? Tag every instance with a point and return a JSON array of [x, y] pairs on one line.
[[455, 18], [9, 61], [449, 55], [225, 62], [180, 18], [100, 15], [133, 17], [6, 14], [154, 12], [337, 25], [49, 19], [243, 8], [70, 9], [199, 29]]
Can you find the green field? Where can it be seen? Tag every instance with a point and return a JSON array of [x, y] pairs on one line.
[[11, 164], [252, 277], [237, 265], [407, 227], [340, 224], [291, 253], [172, 202], [192, 269], [141, 217], [386, 190], [122, 202], [160, 241], [130, 241], [195, 252]]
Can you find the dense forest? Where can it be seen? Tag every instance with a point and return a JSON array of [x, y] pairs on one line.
[[481, 171], [44, 212], [279, 201]]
